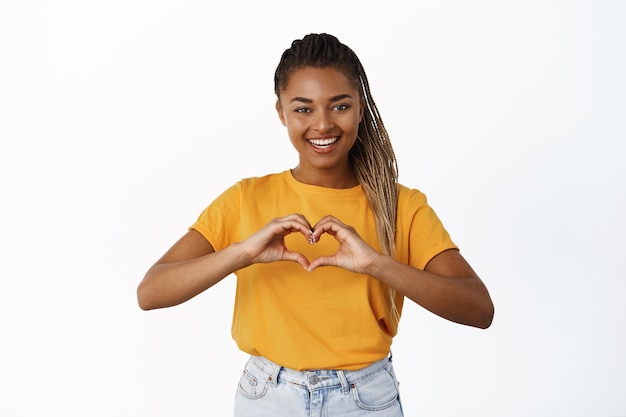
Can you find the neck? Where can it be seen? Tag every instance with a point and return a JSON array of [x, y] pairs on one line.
[[326, 178]]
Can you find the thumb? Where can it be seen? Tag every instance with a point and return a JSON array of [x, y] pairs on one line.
[[322, 261], [297, 257]]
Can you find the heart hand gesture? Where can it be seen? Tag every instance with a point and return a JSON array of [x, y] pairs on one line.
[[268, 244]]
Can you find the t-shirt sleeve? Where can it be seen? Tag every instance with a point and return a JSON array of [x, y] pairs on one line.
[[427, 236], [219, 222]]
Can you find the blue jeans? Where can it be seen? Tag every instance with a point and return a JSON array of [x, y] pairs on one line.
[[269, 390]]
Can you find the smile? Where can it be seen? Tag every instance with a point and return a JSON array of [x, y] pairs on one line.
[[322, 143]]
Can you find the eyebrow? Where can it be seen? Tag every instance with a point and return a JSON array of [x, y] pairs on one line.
[[331, 100]]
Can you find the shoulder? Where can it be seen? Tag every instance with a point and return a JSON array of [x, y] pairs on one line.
[[239, 196], [262, 181], [414, 205], [255, 184], [410, 197], [246, 187]]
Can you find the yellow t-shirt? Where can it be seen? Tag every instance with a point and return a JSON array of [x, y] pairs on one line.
[[329, 318]]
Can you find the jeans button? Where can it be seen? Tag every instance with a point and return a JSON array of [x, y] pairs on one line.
[[313, 379]]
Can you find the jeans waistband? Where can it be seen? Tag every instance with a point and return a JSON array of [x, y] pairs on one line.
[[316, 378]]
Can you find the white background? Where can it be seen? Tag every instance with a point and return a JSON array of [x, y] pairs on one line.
[[121, 120]]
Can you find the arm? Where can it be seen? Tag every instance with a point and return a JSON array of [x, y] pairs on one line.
[[188, 268], [192, 265], [448, 286]]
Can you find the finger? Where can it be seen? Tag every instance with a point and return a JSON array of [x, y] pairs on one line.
[[304, 220], [327, 219], [332, 226], [300, 218], [290, 224], [296, 257], [321, 227], [322, 261], [309, 229]]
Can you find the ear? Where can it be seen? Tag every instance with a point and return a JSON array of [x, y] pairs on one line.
[[279, 110]]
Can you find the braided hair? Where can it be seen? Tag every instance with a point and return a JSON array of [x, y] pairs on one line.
[[372, 157]]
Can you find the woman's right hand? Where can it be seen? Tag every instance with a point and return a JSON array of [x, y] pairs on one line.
[[191, 265], [268, 244]]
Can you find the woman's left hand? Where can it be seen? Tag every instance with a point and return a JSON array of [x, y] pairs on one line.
[[448, 286], [354, 254]]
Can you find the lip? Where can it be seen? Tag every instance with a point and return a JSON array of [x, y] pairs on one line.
[[323, 144]]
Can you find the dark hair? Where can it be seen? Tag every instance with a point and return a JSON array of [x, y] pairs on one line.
[[372, 156], [318, 51]]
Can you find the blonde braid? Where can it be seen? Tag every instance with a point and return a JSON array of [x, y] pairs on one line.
[[374, 163]]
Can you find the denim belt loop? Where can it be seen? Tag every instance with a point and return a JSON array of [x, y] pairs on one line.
[[344, 382], [274, 375]]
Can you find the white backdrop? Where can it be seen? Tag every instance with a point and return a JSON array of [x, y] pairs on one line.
[[121, 120]]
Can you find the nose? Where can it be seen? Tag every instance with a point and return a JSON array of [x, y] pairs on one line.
[[323, 121]]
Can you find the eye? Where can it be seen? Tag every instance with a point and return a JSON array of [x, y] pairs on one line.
[[302, 110], [341, 107]]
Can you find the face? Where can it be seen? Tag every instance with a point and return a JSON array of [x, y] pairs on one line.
[[322, 110]]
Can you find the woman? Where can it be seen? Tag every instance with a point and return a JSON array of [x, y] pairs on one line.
[[324, 253]]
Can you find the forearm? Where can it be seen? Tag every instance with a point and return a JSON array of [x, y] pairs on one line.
[[461, 299], [171, 283]]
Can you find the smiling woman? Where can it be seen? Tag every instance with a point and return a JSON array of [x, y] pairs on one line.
[[316, 313], [322, 110]]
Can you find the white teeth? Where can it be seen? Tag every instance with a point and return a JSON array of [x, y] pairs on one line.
[[322, 142]]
